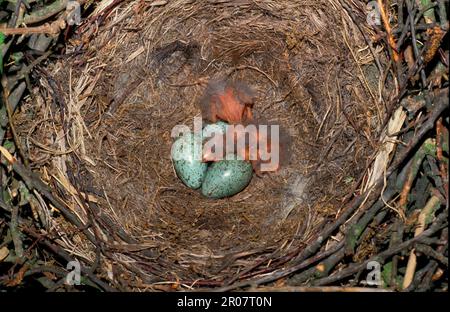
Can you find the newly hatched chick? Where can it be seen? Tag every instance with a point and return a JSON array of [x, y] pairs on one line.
[[267, 150], [227, 101]]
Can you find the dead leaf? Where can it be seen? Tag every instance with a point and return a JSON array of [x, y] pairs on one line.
[[4, 252], [19, 277], [388, 145]]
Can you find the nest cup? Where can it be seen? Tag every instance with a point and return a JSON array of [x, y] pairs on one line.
[[145, 72]]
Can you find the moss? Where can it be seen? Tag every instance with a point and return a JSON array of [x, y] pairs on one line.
[[386, 274]]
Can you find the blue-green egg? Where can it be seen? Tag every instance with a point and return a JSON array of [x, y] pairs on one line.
[[226, 178], [219, 127], [186, 157]]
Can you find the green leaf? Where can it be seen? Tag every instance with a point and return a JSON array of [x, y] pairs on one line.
[[429, 148], [10, 146], [24, 194], [6, 197], [386, 274], [17, 57], [2, 43]]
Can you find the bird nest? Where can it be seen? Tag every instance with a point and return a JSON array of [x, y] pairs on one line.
[[102, 140]]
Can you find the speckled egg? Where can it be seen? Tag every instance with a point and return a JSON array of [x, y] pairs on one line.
[[226, 178], [186, 157], [218, 127]]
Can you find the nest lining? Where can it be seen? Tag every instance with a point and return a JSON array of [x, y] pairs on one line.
[[145, 73]]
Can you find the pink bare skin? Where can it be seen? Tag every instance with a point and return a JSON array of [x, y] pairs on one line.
[[229, 102], [243, 152]]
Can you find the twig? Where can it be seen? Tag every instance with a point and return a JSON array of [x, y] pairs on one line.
[[334, 256], [325, 267], [440, 139], [404, 31], [431, 206], [421, 275], [430, 252], [52, 28], [35, 183], [354, 232], [396, 238], [15, 233], [369, 42], [436, 226], [414, 43], [285, 272], [9, 111], [26, 70], [15, 16], [440, 101], [387, 26], [46, 12], [317, 289], [419, 156], [443, 14], [428, 276], [14, 99], [66, 256]]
